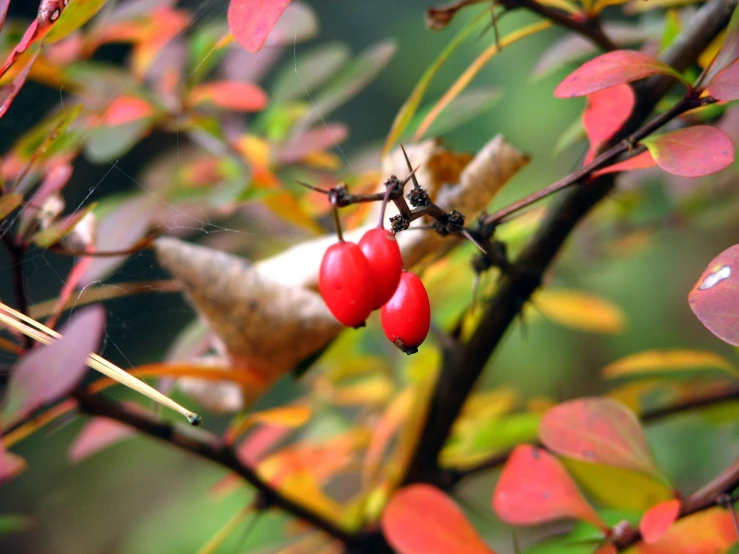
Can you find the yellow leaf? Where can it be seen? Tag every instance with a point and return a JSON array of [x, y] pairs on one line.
[[384, 430], [657, 363], [284, 416], [374, 390], [631, 393], [711, 50], [617, 487], [409, 107], [303, 487], [322, 160], [256, 150], [474, 68], [580, 310], [564, 5]]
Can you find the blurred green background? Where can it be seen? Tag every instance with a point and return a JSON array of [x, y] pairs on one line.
[[144, 497]]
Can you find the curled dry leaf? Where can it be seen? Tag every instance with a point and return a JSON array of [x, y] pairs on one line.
[[266, 327]]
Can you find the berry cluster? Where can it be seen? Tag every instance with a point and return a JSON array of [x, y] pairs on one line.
[[356, 279]]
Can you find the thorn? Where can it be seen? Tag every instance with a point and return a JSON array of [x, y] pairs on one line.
[[312, 187], [470, 238], [410, 168]]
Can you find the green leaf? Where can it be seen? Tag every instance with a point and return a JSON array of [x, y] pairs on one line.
[[468, 105], [106, 143], [350, 81], [409, 107], [204, 55], [14, 523], [74, 16], [308, 71], [52, 135]]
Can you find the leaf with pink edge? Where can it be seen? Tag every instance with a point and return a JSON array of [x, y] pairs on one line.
[[691, 152], [48, 372]]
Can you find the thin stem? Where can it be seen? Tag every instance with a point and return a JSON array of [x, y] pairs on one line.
[[208, 447], [689, 102], [337, 222], [16, 253]]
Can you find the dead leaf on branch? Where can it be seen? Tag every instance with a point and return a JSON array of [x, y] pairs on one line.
[[268, 316]]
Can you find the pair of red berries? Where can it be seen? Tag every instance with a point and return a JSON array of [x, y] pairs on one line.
[[356, 279]]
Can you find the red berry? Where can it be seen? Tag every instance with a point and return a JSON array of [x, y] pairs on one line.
[[383, 254], [346, 283], [407, 315]]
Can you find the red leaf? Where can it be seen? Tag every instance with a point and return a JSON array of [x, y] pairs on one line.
[[658, 520], [97, 435], [714, 299], [313, 140], [250, 21], [126, 109], [4, 4], [725, 86], [31, 34], [10, 464], [605, 112], [692, 152], [232, 95], [611, 69], [535, 488], [640, 161], [597, 430], [48, 372], [11, 90], [257, 446], [705, 532], [120, 228], [421, 519]]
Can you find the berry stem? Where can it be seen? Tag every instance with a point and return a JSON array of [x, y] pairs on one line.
[[338, 223]]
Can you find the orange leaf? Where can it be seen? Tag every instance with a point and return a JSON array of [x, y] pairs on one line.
[[535, 488], [658, 520], [706, 532], [231, 95], [125, 109], [421, 519]]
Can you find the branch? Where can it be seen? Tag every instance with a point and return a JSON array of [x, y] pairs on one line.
[[211, 448], [589, 29], [462, 368], [16, 253], [706, 497], [454, 476]]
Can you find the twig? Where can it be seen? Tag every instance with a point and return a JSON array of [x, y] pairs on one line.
[[16, 253], [209, 447], [588, 29], [454, 476]]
